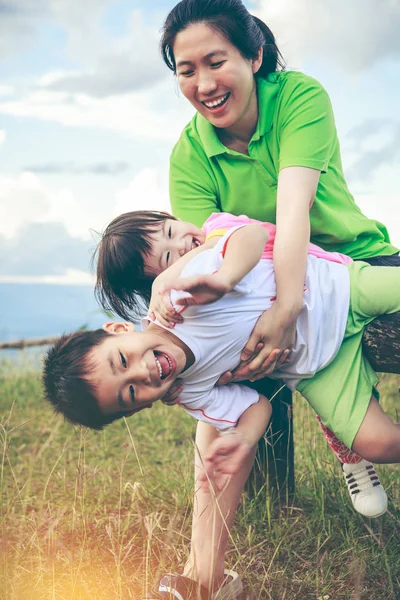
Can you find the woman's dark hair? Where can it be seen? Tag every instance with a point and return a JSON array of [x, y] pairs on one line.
[[121, 254], [231, 18]]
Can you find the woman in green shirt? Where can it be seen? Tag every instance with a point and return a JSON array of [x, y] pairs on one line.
[[263, 142]]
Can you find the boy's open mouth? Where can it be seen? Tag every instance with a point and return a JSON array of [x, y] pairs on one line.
[[165, 364]]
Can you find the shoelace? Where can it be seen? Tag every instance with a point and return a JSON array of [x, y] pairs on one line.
[[362, 480]]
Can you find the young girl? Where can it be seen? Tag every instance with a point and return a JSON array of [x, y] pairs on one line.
[[137, 257]]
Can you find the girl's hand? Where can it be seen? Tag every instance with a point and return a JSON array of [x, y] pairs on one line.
[[160, 304], [268, 348], [203, 289], [224, 458]]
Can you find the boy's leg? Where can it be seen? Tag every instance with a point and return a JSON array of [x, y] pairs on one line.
[[378, 438], [213, 516]]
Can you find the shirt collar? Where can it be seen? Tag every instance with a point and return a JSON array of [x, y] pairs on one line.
[[267, 92]]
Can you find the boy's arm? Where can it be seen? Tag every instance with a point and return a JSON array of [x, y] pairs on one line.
[[243, 251], [228, 452]]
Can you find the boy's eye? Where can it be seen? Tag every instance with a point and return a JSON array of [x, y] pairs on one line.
[[168, 257], [169, 232], [123, 361], [132, 392]]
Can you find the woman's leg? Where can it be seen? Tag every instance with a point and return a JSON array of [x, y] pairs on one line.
[[213, 515], [378, 438]]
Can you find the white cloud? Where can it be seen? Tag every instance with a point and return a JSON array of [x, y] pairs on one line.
[[352, 34], [6, 90], [148, 189], [26, 199], [23, 199], [71, 277], [19, 21], [134, 114], [119, 66]]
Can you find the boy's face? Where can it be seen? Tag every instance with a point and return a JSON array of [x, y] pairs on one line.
[[170, 242], [133, 369]]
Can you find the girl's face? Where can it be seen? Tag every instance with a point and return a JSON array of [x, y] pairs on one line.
[[169, 243], [217, 79]]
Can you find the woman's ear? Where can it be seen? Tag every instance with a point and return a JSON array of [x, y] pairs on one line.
[[117, 327], [257, 62]]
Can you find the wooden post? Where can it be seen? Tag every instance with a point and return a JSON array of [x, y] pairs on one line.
[[275, 456]]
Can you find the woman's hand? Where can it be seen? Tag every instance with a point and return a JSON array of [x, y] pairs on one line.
[[224, 458], [268, 348]]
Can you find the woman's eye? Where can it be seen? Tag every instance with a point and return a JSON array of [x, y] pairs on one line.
[[132, 392], [170, 232], [217, 64], [123, 361], [186, 73], [168, 257]]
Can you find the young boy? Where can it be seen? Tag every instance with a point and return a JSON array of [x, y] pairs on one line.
[[142, 251]]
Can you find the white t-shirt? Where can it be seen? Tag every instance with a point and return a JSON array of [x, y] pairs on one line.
[[216, 333]]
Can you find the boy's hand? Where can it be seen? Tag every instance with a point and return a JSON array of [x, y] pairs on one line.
[[224, 458], [160, 304], [203, 289]]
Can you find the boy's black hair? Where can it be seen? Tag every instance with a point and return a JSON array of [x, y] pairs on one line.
[[121, 254], [66, 366], [229, 17]]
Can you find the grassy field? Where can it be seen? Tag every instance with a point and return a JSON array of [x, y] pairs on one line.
[[96, 516]]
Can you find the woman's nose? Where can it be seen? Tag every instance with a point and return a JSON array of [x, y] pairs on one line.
[[206, 82]]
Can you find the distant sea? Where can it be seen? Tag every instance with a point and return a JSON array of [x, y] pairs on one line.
[[42, 310]]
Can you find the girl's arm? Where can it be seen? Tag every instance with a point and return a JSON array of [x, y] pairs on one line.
[[243, 252], [160, 305]]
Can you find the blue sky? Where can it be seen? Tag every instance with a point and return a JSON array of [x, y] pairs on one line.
[[89, 115]]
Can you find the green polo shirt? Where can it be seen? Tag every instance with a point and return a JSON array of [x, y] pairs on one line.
[[296, 127]]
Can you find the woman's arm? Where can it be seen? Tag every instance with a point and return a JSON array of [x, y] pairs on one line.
[[275, 330]]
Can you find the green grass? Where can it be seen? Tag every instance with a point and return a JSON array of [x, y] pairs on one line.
[[88, 515]]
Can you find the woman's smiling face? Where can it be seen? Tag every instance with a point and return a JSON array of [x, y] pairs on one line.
[[216, 79]]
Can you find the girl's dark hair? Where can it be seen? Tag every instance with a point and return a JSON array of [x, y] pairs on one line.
[[233, 20], [121, 260]]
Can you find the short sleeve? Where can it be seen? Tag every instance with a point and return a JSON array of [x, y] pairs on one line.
[[222, 406], [193, 192], [307, 133]]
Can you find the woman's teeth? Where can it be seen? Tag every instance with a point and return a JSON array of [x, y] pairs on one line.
[[216, 103]]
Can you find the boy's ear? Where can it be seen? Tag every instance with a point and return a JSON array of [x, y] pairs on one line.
[[116, 327]]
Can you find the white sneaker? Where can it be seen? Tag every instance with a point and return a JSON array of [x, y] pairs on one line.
[[366, 492]]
